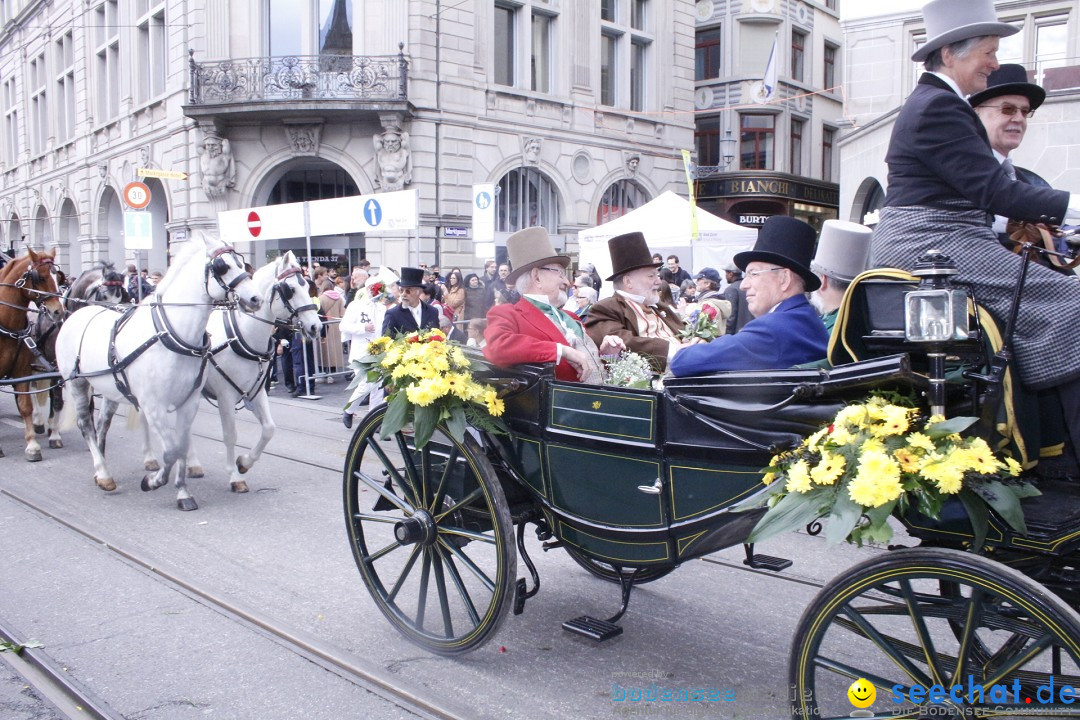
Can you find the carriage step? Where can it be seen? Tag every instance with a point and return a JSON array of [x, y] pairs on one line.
[[767, 562], [590, 627], [520, 595]]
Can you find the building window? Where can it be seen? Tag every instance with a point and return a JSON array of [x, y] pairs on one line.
[[65, 88], [798, 53], [11, 122], [540, 58], [828, 138], [39, 106], [707, 55], [321, 28], [526, 198], [608, 67], [625, 55], [1050, 41], [619, 199], [795, 161], [505, 47], [829, 59], [153, 55], [756, 141], [1011, 48], [707, 140], [107, 59]]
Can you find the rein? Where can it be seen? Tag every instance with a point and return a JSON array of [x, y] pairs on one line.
[[1041, 236]]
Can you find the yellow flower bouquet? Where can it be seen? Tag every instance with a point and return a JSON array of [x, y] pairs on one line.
[[429, 380], [883, 456]]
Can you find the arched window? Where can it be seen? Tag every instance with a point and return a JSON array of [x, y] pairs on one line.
[[526, 198], [620, 198], [42, 236]]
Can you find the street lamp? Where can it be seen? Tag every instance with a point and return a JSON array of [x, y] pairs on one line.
[[727, 149]]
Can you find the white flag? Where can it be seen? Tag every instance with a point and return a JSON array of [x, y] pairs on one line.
[[769, 83]]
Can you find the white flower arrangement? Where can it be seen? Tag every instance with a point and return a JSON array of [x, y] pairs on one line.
[[628, 369]]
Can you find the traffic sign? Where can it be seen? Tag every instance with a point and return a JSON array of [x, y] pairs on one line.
[[254, 224], [138, 235], [373, 212], [483, 212], [136, 195], [163, 174]]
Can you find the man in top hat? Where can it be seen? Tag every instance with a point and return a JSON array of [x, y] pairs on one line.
[[536, 329], [785, 330], [412, 313], [734, 294], [635, 313], [1004, 108], [843, 251]]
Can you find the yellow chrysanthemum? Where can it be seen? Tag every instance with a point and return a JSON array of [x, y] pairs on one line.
[[768, 478], [945, 472], [872, 445], [495, 406], [921, 441], [854, 415], [981, 458], [1013, 466], [877, 480], [828, 469], [909, 461], [935, 419], [894, 420], [799, 477], [378, 345], [816, 437], [840, 436]]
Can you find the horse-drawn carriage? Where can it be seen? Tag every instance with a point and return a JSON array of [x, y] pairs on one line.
[[633, 483]]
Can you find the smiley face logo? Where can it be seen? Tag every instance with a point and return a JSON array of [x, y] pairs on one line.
[[862, 693]]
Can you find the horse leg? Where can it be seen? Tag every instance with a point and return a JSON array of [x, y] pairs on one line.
[[25, 403], [84, 414], [108, 411], [181, 442], [260, 405], [194, 467], [40, 417], [56, 405], [150, 462]]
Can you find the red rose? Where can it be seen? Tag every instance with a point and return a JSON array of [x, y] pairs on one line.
[[435, 338], [413, 339], [709, 310]]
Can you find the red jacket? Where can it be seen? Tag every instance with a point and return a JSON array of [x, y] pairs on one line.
[[522, 333]]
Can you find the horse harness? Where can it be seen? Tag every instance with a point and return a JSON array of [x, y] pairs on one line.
[[236, 342], [24, 337]]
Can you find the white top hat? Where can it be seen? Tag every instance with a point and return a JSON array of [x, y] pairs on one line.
[[949, 21], [843, 250]]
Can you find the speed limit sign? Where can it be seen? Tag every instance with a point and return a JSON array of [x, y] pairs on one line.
[[136, 195]]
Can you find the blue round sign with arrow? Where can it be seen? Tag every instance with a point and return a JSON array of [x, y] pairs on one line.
[[372, 212]]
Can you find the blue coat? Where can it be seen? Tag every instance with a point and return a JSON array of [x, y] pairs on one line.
[[791, 334]]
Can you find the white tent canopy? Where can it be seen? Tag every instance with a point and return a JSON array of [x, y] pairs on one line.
[[665, 222]]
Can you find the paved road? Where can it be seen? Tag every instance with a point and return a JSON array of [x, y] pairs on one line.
[[152, 651]]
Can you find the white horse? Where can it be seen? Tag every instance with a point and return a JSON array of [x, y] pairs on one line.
[[241, 357], [153, 356]]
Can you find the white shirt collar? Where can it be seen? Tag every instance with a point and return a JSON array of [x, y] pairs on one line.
[[1000, 158], [639, 299], [951, 83], [542, 299]]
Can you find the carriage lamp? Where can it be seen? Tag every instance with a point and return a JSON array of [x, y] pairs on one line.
[[936, 312], [936, 315]]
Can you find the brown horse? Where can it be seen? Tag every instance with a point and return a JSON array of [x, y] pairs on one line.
[[22, 281]]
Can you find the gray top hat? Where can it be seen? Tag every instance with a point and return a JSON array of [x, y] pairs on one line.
[[531, 248], [949, 21], [842, 251]]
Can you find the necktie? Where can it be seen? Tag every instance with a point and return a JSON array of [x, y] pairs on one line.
[[1007, 166]]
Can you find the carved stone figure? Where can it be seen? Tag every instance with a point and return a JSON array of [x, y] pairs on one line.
[[394, 159], [304, 138], [531, 150], [217, 165], [632, 162]]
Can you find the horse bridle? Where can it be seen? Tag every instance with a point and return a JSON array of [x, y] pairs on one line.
[[216, 267], [283, 290]]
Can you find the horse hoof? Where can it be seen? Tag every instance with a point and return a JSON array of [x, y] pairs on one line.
[[34, 456], [1, 452], [39, 429], [239, 486], [56, 444], [186, 504], [145, 484], [195, 472], [242, 467], [151, 465], [108, 484]]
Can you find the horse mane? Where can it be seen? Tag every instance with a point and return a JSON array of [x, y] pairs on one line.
[[194, 246], [16, 266]]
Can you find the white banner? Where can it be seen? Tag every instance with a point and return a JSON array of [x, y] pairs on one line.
[[483, 213], [381, 212], [138, 233]]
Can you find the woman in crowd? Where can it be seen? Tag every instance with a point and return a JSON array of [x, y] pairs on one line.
[[454, 297], [943, 181], [475, 297]]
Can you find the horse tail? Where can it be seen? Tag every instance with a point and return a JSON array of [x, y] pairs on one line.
[[68, 419], [134, 417]]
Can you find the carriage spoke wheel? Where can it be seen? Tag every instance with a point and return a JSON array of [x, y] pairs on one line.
[[431, 534], [605, 571], [930, 616]]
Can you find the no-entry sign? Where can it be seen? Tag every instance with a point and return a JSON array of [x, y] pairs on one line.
[[254, 224]]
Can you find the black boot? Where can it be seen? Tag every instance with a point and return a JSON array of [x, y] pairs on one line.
[[346, 419]]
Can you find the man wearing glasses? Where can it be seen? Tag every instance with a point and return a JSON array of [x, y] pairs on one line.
[[1004, 108], [536, 329], [786, 330]]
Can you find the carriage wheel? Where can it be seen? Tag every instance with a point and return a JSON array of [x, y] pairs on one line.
[[608, 572], [431, 534], [931, 616]]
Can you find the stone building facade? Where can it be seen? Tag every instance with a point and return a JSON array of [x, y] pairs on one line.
[[577, 110], [879, 75]]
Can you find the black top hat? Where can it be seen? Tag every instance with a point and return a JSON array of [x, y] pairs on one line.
[[629, 251], [1009, 79], [786, 242], [411, 277]]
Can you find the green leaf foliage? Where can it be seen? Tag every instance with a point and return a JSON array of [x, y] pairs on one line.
[[397, 414], [791, 513]]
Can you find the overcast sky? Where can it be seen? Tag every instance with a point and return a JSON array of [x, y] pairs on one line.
[[850, 9]]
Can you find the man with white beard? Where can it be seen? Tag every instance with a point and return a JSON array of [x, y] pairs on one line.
[[843, 250]]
